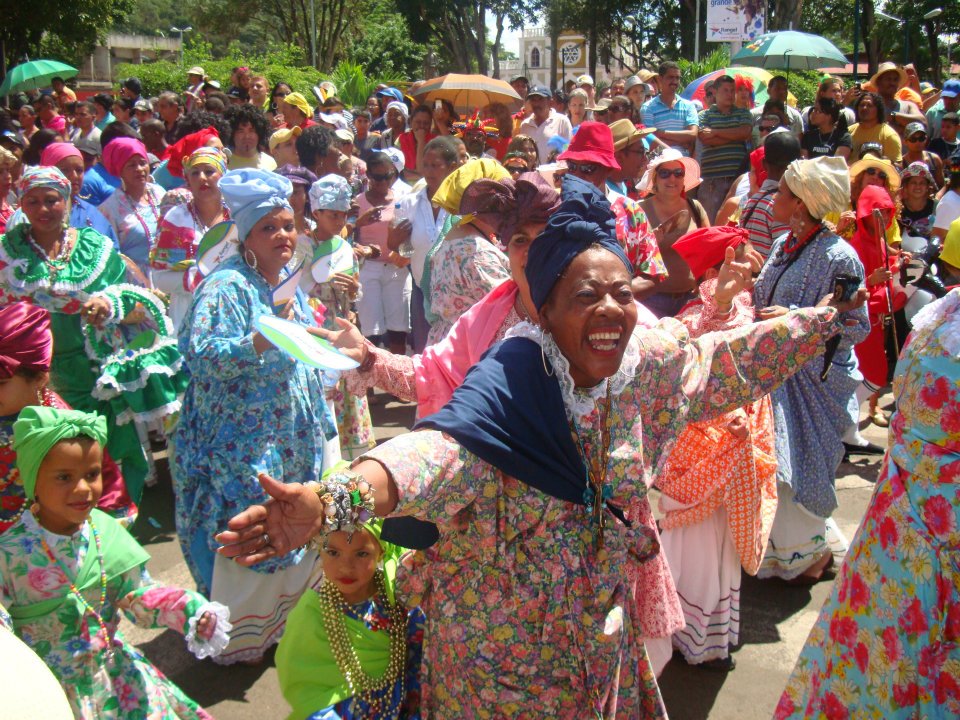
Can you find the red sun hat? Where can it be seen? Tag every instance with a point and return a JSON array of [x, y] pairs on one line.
[[593, 143]]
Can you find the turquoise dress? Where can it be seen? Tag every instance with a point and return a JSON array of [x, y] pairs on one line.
[[243, 414]]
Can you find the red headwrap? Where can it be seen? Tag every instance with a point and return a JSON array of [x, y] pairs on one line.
[[55, 152], [705, 248], [741, 81], [25, 339], [756, 162], [185, 146]]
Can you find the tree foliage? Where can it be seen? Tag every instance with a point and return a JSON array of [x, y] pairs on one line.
[[73, 28]]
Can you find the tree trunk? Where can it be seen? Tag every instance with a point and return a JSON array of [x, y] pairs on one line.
[[496, 46], [592, 39], [933, 45], [871, 43]]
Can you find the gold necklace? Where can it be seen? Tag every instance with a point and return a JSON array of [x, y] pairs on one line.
[[375, 692], [597, 493]]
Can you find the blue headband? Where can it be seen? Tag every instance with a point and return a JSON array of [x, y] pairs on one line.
[[583, 219], [250, 194]]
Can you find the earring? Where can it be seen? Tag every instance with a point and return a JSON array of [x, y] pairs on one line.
[[35, 508], [39, 397], [543, 357], [247, 254]]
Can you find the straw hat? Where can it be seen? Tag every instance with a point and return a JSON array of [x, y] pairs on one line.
[[886, 67], [893, 176]]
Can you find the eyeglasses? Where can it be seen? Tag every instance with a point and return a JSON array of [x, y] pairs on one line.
[[582, 168], [380, 178], [664, 173], [767, 128], [875, 171]]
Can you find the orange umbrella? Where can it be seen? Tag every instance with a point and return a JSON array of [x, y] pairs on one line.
[[467, 92]]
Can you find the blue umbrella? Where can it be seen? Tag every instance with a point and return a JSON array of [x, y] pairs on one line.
[[791, 50]]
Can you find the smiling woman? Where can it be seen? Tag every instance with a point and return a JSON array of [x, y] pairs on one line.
[[533, 472]]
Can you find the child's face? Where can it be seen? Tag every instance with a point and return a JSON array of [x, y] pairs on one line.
[[329, 222], [351, 565], [69, 484], [17, 392]]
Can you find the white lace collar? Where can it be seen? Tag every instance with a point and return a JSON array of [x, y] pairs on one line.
[[946, 310], [579, 402]]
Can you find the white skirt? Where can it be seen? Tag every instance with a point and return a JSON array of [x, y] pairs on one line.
[[706, 570], [259, 604], [799, 539]]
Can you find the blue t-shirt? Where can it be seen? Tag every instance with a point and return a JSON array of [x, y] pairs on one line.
[[98, 185], [682, 115], [163, 177]]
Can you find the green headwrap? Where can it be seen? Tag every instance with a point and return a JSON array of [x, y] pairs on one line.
[[37, 429]]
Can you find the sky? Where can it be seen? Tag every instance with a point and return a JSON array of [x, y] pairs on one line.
[[511, 38]]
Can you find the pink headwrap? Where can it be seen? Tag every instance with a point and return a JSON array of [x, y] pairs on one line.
[[119, 151], [25, 339], [55, 152]]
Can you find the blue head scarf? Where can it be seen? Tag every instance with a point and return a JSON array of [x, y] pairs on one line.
[[583, 219], [331, 192], [250, 194]]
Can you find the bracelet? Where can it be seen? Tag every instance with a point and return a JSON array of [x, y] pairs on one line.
[[347, 499]]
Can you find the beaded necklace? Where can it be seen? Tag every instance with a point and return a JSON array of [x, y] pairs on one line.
[[55, 265], [596, 492], [198, 222], [792, 244], [97, 614], [375, 692], [135, 207]]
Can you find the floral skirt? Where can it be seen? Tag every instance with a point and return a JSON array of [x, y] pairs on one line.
[[887, 642]]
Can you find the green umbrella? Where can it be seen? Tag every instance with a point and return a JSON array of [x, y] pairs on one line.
[[791, 50], [34, 75]]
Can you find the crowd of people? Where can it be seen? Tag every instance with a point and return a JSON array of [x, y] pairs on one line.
[[596, 293]]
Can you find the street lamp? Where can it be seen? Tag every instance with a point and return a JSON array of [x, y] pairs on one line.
[[631, 21], [906, 27], [181, 31]]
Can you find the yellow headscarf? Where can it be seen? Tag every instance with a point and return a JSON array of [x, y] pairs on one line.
[[451, 190]]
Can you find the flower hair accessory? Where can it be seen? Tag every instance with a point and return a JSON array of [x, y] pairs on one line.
[[475, 124], [347, 499]]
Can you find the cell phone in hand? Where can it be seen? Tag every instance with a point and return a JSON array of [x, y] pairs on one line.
[[845, 287]]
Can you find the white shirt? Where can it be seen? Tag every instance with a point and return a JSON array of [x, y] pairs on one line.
[[416, 208], [555, 124], [948, 210]]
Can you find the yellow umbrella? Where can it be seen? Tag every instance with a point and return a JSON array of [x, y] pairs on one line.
[[467, 92]]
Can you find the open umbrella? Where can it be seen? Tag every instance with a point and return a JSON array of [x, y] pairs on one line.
[[760, 77], [467, 92], [790, 50], [34, 75]]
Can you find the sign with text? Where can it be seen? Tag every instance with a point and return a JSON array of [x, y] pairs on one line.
[[735, 20]]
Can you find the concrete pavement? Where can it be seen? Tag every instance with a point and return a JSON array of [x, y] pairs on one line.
[[775, 619]]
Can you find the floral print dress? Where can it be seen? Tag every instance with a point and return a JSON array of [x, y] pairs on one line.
[[464, 267], [104, 677], [887, 642], [526, 617]]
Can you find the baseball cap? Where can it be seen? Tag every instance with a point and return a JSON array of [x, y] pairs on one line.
[[540, 91], [344, 135], [584, 80], [391, 92], [396, 157], [12, 137], [951, 88], [89, 145], [913, 128], [335, 119], [142, 106], [282, 136], [515, 78]]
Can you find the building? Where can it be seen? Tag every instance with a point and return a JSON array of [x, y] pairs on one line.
[[572, 59], [96, 71]]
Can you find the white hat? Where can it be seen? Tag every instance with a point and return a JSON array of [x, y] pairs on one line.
[[344, 134], [584, 80], [691, 167], [396, 157], [196, 70]]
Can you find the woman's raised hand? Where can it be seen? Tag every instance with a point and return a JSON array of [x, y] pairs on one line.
[[348, 339], [96, 310], [736, 275], [289, 519]]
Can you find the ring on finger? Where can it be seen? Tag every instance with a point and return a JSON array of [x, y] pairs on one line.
[[266, 539]]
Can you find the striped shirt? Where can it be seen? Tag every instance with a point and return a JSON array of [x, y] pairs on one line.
[[681, 116], [756, 216], [729, 159]]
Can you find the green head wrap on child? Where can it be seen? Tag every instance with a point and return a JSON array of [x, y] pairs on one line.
[[37, 429]]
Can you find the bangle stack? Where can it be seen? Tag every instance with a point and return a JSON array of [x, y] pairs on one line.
[[347, 500]]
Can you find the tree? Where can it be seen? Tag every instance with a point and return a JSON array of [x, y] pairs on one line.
[[382, 43], [73, 26]]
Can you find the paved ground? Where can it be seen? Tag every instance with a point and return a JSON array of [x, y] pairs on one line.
[[775, 620]]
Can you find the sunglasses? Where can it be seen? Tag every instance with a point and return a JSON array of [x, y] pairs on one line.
[[767, 128], [582, 168], [381, 178], [664, 173], [874, 171], [917, 138]]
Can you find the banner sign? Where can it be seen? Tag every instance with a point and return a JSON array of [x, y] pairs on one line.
[[735, 20]]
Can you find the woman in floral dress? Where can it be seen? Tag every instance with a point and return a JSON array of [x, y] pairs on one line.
[[249, 409], [526, 590], [464, 264], [887, 643]]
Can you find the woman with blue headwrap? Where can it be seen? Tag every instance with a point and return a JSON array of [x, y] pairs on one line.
[[527, 473], [248, 409]]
